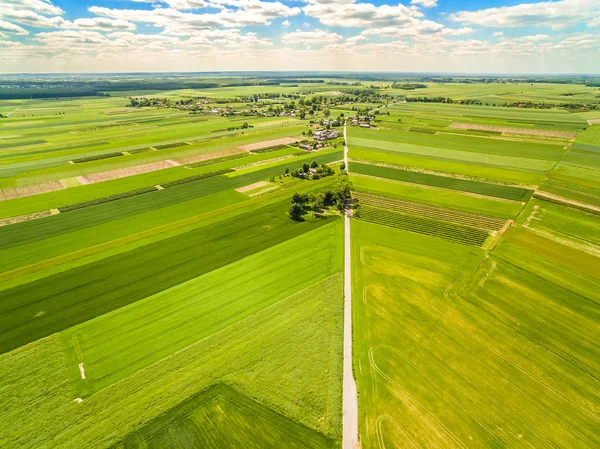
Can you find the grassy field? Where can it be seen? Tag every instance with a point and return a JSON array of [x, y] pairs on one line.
[[470, 330], [155, 293], [263, 355], [465, 349]]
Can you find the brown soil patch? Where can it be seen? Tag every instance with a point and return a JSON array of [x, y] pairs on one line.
[[269, 189], [268, 143], [127, 171], [206, 156], [521, 131], [256, 185], [27, 217], [594, 121], [19, 192]]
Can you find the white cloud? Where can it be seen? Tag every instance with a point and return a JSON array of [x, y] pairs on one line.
[[286, 23], [104, 24], [12, 28], [349, 14], [33, 13], [425, 3], [418, 29], [498, 34], [39, 6], [174, 22], [311, 37], [457, 31], [553, 14]]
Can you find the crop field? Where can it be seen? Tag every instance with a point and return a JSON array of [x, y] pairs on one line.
[[140, 287], [173, 265], [445, 182], [465, 349], [475, 274]]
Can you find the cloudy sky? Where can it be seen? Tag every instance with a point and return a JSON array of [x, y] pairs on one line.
[[467, 36]]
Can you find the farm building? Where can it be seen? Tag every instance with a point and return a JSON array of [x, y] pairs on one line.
[[325, 134], [305, 146]]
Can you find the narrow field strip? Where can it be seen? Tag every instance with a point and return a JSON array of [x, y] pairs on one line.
[[439, 213], [493, 190], [509, 130], [423, 225]]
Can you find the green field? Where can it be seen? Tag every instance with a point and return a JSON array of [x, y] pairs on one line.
[[462, 348], [158, 291]]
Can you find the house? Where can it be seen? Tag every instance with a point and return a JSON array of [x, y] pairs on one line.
[[325, 134], [365, 125], [306, 146], [354, 122]]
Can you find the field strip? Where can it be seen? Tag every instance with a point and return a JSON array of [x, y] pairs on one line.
[[27, 217], [207, 156], [445, 174], [263, 191], [265, 162], [590, 249], [82, 371], [509, 130], [118, 243], [34, 189], [565, 201], [256, 185], [477, 195], [442, 213], [268, 143]]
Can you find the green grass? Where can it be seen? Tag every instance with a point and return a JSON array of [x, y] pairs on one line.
[[221, 418], [287, 357], [490, 352], [444, 198], [40, 308], [118, 344], [445, 182], [495, 159], [479, 170]]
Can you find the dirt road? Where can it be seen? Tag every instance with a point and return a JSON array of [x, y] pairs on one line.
[[350, 400]]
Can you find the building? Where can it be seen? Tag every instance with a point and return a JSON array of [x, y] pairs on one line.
[[306, 146], [365, 125], [325, 134]]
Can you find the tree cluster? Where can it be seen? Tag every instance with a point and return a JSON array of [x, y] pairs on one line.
[[337, 196]]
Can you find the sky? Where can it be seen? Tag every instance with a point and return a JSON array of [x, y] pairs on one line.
[[448, 36]]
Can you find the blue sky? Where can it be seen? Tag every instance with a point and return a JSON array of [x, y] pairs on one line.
[[488, 36]]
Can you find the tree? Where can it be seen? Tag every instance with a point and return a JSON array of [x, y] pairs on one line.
[[314, 164], [342, 166], [296, 199], [296, 211], [326, 112], [342, 189], [287, 170], [305, 167], [317, 203]]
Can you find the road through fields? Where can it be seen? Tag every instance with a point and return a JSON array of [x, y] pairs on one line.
[[350, 400]]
